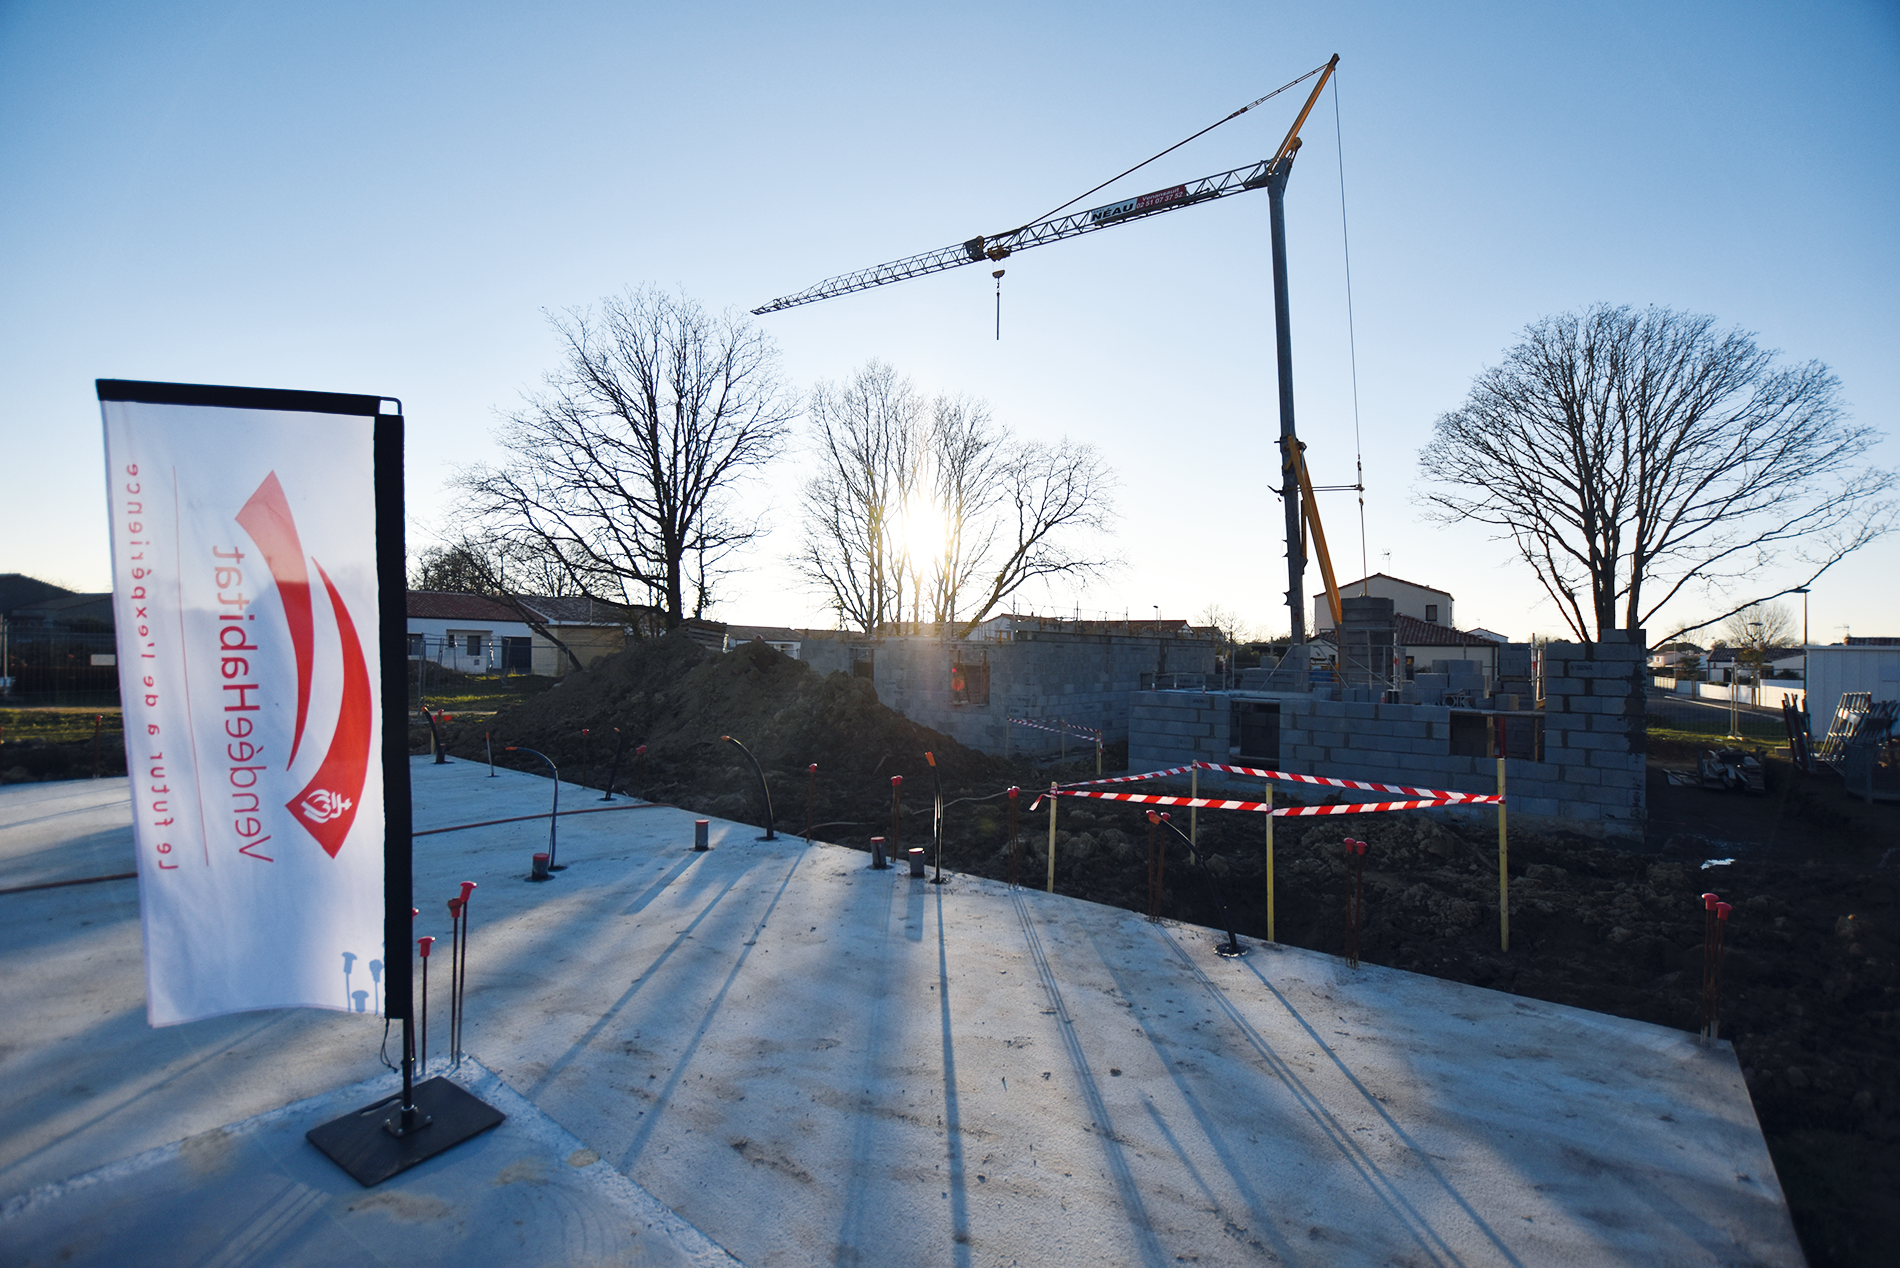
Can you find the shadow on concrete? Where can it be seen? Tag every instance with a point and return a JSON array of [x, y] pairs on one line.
[[1146, 1244]]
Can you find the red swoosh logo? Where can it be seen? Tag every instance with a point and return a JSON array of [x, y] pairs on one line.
[[327, 805], [266, 517]]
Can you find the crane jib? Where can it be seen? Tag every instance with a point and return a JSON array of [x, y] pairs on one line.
[[1146, 202]]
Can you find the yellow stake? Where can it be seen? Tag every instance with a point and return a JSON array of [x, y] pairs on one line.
[[1269, 799], [1051, 887], [1504, 877]]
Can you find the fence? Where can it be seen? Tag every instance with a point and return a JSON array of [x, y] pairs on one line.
[[55, 666], [1711, 719]]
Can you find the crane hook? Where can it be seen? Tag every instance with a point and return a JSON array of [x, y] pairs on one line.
[[998, 275]]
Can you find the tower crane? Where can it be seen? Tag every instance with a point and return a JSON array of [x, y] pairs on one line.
[[1270, 174]]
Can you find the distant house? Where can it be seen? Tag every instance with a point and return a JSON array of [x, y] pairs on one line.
[[1420, 643], [479, 634], [1421, 603], [718, 636], [590, 628], [469, 633]]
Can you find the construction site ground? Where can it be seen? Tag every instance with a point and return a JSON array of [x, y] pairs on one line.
[[772, 1053], [1611, 927]]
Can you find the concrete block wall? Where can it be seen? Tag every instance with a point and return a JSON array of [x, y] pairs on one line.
[[1591, 777], [1087, 679]]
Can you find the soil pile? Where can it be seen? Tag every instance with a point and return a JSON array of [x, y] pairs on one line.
[[678, 699]]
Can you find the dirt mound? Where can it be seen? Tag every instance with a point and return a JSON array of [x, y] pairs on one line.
[[678, 699]]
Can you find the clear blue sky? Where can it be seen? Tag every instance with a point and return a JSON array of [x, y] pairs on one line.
[[383, 198]]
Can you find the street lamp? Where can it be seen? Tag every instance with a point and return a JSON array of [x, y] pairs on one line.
[[1803, 592]]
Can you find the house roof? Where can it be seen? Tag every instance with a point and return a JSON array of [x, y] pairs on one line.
[[1409, 631], [1345, 586], [580, 609], [770, 633], [444, 605], [1412, 632]]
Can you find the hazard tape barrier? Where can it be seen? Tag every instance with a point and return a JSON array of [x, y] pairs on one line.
[[1291, 778], [1211, 803], [1071, 727], [1129, 779], [1434, 795]]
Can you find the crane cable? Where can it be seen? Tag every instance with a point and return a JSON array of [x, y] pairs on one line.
[[1171, 149], [1352, 343]]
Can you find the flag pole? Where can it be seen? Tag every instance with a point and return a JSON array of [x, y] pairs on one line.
[[385, 1139]]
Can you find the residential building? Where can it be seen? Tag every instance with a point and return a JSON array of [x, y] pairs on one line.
[[1421, 603]]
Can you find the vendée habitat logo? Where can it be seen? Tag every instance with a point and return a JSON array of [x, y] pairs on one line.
[[326, 806]]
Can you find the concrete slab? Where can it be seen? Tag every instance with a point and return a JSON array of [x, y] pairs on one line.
[[811, 1062], [255, 1192]]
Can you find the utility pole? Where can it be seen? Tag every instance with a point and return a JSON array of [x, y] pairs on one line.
[[1289, 439]]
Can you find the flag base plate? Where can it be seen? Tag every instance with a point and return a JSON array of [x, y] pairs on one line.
[[359, 1143]]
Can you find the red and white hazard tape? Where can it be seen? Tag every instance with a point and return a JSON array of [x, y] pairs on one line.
[[1129, 779], [1071, 727], [1288, 777], [1210, 803]]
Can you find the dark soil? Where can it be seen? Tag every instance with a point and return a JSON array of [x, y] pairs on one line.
[[1810, 982], [32, 759]]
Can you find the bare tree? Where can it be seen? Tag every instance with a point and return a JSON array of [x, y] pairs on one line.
[[1057, 512], [931, 504], [1628, 454], [627, 460], [865, 435]]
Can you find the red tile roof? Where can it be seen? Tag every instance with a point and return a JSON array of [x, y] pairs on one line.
[[442, 605]]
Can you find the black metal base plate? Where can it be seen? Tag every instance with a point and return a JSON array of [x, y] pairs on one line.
[[358, 1142]]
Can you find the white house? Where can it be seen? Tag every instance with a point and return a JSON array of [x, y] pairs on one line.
[[1421, 603], [468, 633]]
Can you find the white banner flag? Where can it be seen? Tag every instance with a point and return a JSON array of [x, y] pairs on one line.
[[245, 591]]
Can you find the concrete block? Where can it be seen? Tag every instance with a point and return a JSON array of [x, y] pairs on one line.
[[1581, 811], [1582, 774], [1546, 806]]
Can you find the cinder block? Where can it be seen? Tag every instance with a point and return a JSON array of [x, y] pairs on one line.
[[1582, 774], [1363, 712], [1546, 806], [1582, 811]]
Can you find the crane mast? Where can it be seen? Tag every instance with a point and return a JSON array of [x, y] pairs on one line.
[[1269, 174]]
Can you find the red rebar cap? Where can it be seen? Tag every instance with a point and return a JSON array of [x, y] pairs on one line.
[[1709, 901], [812, 769], [1014, 792], [455, 908], [1153, 817], [1721, 911], [640, 751], [468, 887], [414, 912], [425, 944], [1166, 817], [896, 780], [1361, 845], [583, 730]]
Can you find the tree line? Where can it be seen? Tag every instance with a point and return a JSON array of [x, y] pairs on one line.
[[628, 467], [1632, 457]]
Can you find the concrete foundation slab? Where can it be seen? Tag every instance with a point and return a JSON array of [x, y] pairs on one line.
[[810, 1062]]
